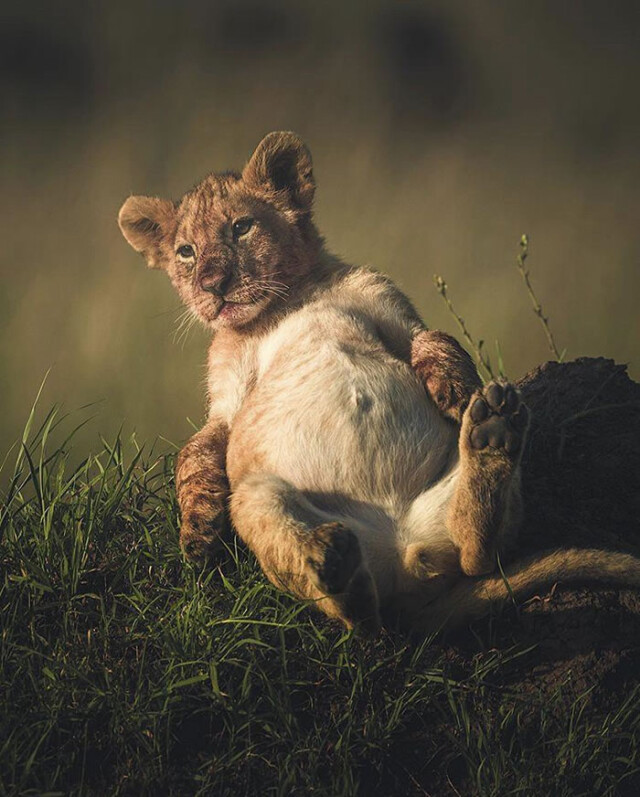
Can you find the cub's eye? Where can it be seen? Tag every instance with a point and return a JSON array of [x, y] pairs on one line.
[[241, 227], [186, 252]]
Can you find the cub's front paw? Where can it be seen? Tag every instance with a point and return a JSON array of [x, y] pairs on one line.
[[496, 419], [446, 370], [200, 532], [450, 395]]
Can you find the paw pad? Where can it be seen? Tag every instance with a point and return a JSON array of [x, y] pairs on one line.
[[498, 419]]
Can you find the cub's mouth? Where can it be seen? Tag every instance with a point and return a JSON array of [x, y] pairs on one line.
[[238, 306], [229, 309], [233, 312]]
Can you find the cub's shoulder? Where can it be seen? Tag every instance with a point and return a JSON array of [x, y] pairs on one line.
[[376, 295], [362, 279]]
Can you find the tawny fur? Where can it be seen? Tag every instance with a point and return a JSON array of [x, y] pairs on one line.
[[354, 450]]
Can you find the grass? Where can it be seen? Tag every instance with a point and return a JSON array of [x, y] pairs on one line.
[[124, 670]]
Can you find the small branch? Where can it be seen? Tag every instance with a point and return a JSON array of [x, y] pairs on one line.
[[537, 307], [481, 358]]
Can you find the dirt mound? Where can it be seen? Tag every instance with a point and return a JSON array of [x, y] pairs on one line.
[[581, 469], [581, 482]]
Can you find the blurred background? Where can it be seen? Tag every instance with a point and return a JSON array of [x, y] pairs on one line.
[[441, 131]]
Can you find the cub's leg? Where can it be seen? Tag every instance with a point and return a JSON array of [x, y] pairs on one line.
[[446, 370], [203, 491], [487, 506], [304, 550]]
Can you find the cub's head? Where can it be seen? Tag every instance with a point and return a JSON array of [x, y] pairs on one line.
[[236, 245]]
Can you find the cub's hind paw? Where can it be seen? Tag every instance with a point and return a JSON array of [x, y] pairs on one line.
[[496, 419], [333, 556], [335, 566]]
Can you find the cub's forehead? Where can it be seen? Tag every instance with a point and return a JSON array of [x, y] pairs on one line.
[[217, 196]]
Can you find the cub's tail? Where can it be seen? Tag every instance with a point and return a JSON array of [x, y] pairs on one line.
[[472, 598]]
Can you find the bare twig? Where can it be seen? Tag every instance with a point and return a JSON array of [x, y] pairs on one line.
[[481, 358], [537, 307]]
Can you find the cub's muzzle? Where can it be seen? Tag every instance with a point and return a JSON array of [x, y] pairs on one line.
[[214, 283]]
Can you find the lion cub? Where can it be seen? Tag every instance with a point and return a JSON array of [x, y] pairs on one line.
[[355, 451]]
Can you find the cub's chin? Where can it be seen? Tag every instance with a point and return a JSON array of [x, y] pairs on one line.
[[229, 314], [237, 313]]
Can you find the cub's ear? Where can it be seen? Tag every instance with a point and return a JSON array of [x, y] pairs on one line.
[[282, 163], [148, 223]]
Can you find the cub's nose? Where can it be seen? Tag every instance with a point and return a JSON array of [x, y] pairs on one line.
[[215, 283]]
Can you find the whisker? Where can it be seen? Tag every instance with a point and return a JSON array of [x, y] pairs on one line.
[[185, 332], [263, 291], [181, 321], [277, 288], [185, 323]]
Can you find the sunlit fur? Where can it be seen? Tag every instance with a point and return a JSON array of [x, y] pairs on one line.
[[339, 432]]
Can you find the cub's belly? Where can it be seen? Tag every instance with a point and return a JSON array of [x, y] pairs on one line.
[[334, 418]]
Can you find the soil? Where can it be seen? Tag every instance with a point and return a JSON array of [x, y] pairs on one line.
[[581, 467], [581, 482]]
